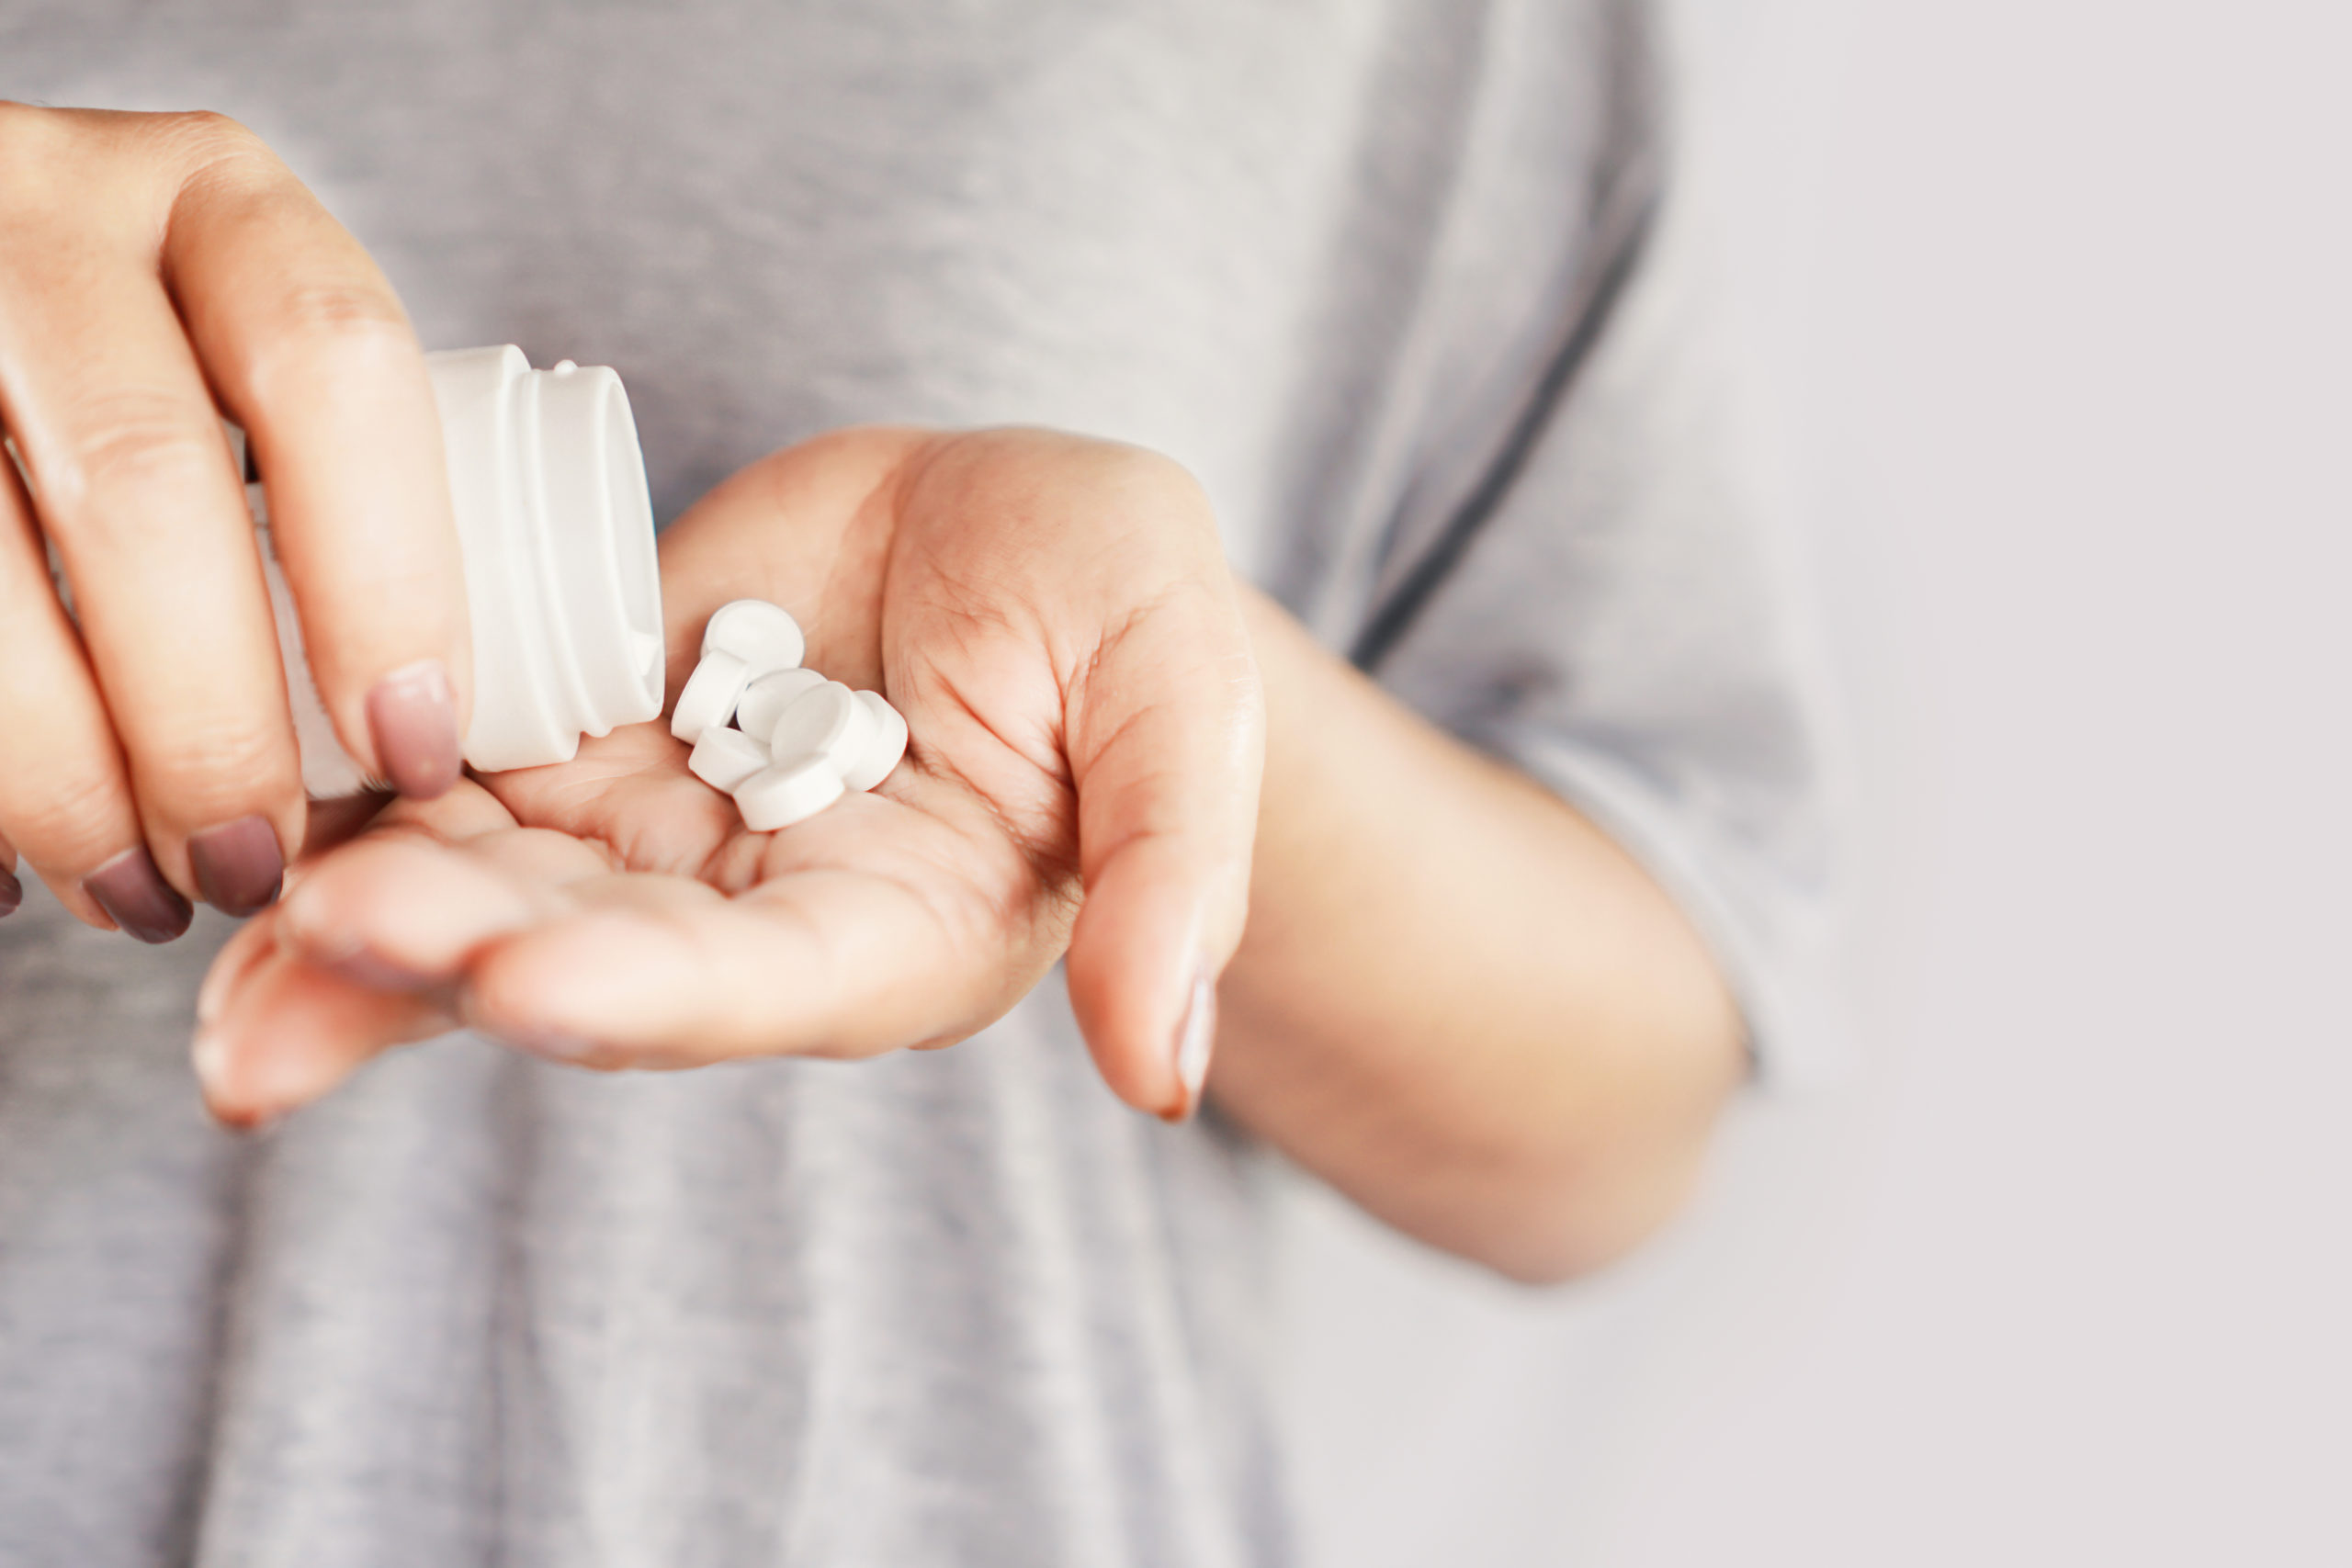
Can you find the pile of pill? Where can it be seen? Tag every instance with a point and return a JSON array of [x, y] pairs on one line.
[[798, 742]]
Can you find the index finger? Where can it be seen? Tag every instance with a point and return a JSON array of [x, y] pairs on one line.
[[307, 346]]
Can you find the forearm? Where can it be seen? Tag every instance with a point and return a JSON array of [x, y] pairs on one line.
[[1457, 1001]]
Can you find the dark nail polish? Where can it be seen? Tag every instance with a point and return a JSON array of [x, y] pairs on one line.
[[12, 893], [238, 866], [412, 714], [134, 893]]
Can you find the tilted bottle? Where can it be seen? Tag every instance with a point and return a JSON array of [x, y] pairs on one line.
[[564, 592]]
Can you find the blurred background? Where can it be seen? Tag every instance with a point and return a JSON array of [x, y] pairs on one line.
[[2044, 309]]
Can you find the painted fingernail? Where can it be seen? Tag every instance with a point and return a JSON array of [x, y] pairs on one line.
[[12, 893], [1195, 1036], [412, 714], [238, 867], [134, 893]]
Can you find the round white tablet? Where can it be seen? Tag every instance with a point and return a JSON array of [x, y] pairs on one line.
[[784, 793], [829, 722], [765, 699], [762, 635], [724, 757], [882, 753], [708, 697]]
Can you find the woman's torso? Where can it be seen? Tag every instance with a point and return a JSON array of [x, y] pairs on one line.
[[957, 1307]]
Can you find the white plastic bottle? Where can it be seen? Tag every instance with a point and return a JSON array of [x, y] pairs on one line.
[[557, 529]]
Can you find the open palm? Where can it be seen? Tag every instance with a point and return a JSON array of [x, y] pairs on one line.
[[1055, 618]]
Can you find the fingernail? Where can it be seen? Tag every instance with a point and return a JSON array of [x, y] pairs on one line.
[[549, 1046], [412, 714], [569, 1050], [134, 893], [238, 866], [1195, 1036], [212, 997], [365, 966], [12, 893], [210, 1052]]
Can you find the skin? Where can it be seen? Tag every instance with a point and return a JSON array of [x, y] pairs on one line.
[[156, 273], [1459, 1001], [1087, 690], [1053, 616], [1424, 978]]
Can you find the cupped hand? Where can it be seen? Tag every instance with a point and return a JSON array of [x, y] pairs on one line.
[[1056, 619], [156, 273]]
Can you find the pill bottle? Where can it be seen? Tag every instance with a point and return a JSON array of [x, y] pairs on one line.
[[565, 594]]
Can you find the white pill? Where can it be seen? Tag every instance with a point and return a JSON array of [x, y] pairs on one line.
[[724, 757], [765, 699], [827, 722], [882, 753], [762, 635], [708, 698], [784, 793]]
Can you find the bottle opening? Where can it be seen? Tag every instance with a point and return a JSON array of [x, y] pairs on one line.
[[640, 566]]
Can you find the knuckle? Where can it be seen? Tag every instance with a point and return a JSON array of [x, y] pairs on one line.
[[1161, 481], [73, 827], [328, 328], [205, 139], [132, 437], [211, 126], [216, 768], [207, 154], [57, 158], [345, 313]]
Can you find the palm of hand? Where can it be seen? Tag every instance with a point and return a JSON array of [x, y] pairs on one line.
[[1053, 617]]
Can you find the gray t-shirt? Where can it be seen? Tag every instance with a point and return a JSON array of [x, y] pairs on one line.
[[1336, 256]]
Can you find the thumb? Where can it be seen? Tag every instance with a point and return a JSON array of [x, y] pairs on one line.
[[1166, 738]]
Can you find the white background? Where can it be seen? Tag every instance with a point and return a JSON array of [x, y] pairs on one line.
[[2047, 303]]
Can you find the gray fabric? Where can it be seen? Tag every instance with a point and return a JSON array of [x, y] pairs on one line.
[[954, 1308]]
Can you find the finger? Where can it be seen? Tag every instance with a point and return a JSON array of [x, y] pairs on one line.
[[334, 822], [247, 946], [405, 912], [364, 908], [555, 952], [308, 349], [290, 1031], [286, 1013], [651, 971], [64, 790], [1166, 741], [132, 480]]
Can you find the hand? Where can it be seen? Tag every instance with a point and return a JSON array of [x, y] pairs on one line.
[[1055, 618], [156, 272]]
